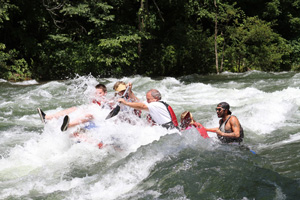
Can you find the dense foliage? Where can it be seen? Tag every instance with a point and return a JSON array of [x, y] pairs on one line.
[[56, 39]]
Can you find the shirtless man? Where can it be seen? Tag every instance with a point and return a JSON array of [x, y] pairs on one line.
[[230, 129]]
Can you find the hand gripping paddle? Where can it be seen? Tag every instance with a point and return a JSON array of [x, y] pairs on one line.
[[116, 110]]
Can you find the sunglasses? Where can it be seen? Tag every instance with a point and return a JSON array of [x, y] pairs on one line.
[[219, 109]]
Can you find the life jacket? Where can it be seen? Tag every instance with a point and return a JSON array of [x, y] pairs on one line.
[[230, 139], [172, 123], [172, 114], [201, 129], [97, 102]]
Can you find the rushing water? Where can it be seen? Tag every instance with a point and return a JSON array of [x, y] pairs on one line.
[[40, 162]]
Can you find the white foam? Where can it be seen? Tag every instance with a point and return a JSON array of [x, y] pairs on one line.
[[29, 82], [45, 160]]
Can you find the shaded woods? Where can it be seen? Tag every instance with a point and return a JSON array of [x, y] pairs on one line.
[[56, 39]]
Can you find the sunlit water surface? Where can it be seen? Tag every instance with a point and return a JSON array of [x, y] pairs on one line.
[[141, 162]]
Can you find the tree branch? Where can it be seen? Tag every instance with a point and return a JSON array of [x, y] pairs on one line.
[[159, 12]]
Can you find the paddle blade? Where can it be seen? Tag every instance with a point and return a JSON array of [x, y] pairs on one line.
[[114, 112]]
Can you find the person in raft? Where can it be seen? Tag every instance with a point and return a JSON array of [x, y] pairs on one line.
[[120, 88], [187, 122], [160, 113], [230, 129], [100, 94]]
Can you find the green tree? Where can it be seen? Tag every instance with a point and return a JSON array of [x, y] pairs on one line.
[[96, 41], [254, 45], [179, 42], [12, 67], [57, 39], [295, 55], [285, 16]]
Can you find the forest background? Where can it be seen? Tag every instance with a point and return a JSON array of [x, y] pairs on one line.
[[57, 39]]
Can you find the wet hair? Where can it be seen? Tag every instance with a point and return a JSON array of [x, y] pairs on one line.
[[101, 86], [225, 106], [155, 94], [186, 119], [186, 114]]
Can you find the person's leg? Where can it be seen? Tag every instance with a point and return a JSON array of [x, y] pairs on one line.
[[60, 113], [81, 120]]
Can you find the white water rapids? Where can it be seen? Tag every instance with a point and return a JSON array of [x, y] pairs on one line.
[[40, 162]]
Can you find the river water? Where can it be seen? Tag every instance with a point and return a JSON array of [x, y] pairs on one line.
[[141, 162]]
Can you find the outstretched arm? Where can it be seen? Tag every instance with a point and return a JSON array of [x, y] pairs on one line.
[[81, 120], [211, 129], [135, 105]]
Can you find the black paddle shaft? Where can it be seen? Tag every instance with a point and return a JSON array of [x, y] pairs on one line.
[[116, 110]]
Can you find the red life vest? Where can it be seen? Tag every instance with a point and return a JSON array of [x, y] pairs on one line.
[[201, 129], [100, 103], [171, 112], [97, 102]]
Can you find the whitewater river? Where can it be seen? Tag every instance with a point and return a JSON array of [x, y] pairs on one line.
[[39, 161]]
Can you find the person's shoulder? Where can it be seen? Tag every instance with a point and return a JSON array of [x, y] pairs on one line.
[[233, 118], [198, 124], [155, 104]]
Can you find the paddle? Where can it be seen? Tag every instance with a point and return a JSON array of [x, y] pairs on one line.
[[116, 110]]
